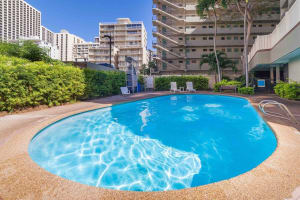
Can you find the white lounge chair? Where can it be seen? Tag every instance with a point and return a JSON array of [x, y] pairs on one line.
[[190, 87], [174, 87], [125, 91]]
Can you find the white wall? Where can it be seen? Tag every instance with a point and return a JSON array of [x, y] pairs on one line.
[[294, 70]]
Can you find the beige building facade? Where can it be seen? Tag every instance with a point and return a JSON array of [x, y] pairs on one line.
[[277, 56], [128, 39], [182, 37], [65, 42]]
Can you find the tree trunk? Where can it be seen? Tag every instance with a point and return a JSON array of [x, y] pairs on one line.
[[215, 48], [245, 61]]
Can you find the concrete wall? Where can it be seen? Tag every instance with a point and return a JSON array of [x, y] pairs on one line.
[[294, 70]]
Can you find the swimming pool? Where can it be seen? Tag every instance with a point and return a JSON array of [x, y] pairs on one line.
[[159, 144]]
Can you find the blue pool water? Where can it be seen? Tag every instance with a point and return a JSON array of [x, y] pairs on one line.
[[165, 143]]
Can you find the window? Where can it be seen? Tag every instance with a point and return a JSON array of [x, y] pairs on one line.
[[204, 50], [229, 49], [241, 26], [180, 38], [254, 25], [194, 61], [235, 37], [164, 66], [210, 26], [204, 27], [242, 38], [193, 26], [180, 61], [222, 26], [223, 50], [187, 50], [181, 50], [228, 38], [272, 25], [187, 62], [222, 38], [204, 38], [228, 26], [193, 38], [236, 50], [193, 50], [170, 61], [260, 25], [211, 50], [210, 38]]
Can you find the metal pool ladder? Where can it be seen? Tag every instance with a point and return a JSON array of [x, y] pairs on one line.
[[288, 114]]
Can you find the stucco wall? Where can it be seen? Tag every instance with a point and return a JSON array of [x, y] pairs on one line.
[[294, 70]]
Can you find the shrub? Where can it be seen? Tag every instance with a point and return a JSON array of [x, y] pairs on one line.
[[33, 84], [28, 84], [288, 90], [102, 83], [246, 90], [224, 83], [163, 83]]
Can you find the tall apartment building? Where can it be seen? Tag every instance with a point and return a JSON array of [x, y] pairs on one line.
[[66, 41], [47, 35], [276, 57], [18, 19], [182, 37], [130, 38]]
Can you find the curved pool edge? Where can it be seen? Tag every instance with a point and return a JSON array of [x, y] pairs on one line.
[[39, 182]]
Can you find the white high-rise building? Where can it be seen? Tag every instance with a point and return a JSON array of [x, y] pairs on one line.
[[47, 35], [130, 38], [18, 19], [65, 42]]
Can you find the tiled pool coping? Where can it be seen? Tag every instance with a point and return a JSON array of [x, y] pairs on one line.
[[21, 178]]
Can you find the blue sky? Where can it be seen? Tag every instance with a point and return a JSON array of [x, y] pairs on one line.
[[82, 17]]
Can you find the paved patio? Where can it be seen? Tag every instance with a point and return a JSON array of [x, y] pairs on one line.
[[20, 178]]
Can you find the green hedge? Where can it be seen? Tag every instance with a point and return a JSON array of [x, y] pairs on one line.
[[164, 83], [26, 84], [246, 90], [102, 83], [224, 83], [288, 90]]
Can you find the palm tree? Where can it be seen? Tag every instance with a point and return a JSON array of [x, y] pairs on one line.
[[224, 62], [208, 7]]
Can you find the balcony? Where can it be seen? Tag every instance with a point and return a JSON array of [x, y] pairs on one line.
[[282, 44]]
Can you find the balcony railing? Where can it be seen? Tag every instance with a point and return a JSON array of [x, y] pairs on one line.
[[290, 20]]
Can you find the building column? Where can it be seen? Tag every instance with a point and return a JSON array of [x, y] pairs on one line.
[[271, 75], [277, 74]]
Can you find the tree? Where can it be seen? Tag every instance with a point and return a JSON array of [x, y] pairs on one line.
[[146, 69], [10, 49], [25, 49], [249, 9], [208, 7], [224, 62], [32, 52]]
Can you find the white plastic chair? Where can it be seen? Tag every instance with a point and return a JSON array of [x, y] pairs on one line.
[[174, 87], [125, 91], [190, 87]]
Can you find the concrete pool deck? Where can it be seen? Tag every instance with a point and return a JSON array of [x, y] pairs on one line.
[[21, 178]]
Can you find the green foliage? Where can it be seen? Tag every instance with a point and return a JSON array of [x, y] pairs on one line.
[[224, 83], [102, 83], [225, 62], [164, 83], [246, 90], [288, 90], [26, 49], [205, 7], [26, 84], [141, 80]]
